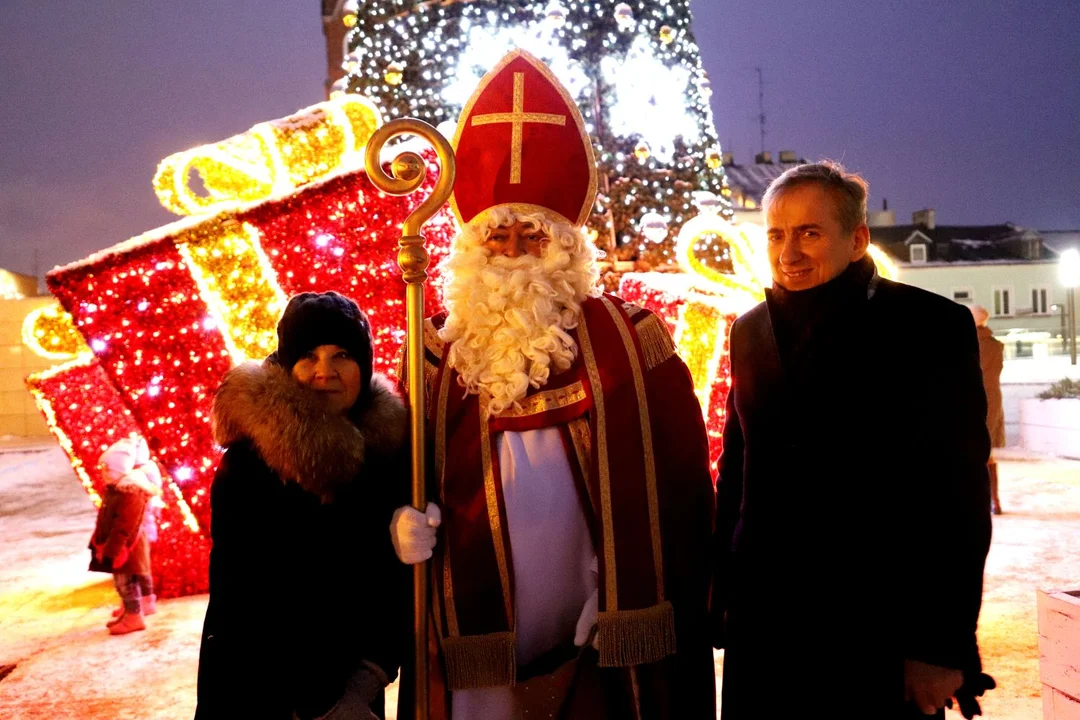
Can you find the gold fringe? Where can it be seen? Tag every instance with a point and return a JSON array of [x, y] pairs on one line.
[[636, 637], [656, 342], [478, 661]]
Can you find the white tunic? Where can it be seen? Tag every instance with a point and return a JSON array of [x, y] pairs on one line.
[[552, 554]]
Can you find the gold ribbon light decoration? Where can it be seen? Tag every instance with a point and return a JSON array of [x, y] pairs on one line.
[[270, 159]]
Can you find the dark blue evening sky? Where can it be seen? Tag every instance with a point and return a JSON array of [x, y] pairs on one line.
[[968, 106]]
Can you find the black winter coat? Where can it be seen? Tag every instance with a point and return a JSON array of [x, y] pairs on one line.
[[304, 584], [852, 499]]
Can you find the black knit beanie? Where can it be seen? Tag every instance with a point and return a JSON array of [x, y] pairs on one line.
[[314, 319]]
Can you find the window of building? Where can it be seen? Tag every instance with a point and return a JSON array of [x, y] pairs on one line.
[[917, 253], [964, 295], [1040, 301], [1003, 306]]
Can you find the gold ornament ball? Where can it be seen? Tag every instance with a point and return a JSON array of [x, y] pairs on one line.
[[408, 166], [713, 159], [394, 73], [349, 20], [642, 151], [667, 34]]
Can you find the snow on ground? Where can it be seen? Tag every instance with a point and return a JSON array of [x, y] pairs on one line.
[[53, 612]]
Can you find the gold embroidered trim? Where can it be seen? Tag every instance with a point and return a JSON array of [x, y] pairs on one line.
[[478, 661], [517, 119], [646, 441], [440, 431], [432, 341], [493, 511], [636, 637], [548, 400], [582, 439], [448, 592], [656, 342], [611, 586]]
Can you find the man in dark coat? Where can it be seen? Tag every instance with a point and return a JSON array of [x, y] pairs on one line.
[[852, 498]]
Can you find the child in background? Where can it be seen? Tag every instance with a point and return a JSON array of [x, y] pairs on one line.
[[121, 544]]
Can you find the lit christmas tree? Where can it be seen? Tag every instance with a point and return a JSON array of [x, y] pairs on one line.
[[634, 70]]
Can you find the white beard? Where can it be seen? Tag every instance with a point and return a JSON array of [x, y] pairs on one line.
[[508, 322]]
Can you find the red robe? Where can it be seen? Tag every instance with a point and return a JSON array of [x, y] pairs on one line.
[[636, 443]]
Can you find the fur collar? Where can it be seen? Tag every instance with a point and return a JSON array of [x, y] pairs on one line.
[[133, 482], [295, 436]]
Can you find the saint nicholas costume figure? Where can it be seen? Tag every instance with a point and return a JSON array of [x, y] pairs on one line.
[[569, 482]]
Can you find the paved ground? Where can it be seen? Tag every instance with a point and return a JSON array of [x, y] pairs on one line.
[[53, 612]]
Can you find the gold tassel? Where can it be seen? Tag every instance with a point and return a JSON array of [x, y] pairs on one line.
[[636, 637], [656, 342], [478, 661]]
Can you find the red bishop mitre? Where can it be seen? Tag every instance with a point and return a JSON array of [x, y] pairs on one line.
[[521, 143]]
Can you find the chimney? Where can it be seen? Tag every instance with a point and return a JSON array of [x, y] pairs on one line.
[[925, 218], [884, 203], [728, 158], [788, 157], [763, 158]]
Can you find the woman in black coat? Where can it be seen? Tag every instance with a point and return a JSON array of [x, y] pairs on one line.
[[308, 610]]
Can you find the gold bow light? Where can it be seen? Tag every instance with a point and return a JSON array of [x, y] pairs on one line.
[[272, 158]]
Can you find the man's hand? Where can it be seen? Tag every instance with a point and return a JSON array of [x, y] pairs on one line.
[[413, 532], [930, 687]]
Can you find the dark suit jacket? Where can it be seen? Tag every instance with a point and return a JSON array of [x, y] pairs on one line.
[[852, 505]]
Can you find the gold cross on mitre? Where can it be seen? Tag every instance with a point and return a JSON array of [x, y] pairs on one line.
[[518, 117]]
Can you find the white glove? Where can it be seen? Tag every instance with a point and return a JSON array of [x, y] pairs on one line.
[[589, 614], [413, 532]]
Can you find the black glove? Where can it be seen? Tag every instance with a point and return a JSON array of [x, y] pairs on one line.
[[973, 687]]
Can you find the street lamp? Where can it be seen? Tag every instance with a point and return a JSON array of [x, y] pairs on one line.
[[1069, 272]]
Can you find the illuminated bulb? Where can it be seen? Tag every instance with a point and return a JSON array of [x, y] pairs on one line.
[[624, 16], [667, 34], [706, 86], [713, 159], [707, 202], [183, 474], [322, 240], [654, 226], [143, 306], [556, 14], [642, 151], [98, 345], [352, 61], [394, 73]]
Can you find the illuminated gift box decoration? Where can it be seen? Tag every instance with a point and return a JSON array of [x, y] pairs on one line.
[[167, 313]]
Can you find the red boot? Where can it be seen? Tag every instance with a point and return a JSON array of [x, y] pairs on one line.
[[128, 623]]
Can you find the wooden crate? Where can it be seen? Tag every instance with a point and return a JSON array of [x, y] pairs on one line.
[[1059, 654]]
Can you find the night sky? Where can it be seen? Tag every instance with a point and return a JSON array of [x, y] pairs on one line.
[[967, 106]]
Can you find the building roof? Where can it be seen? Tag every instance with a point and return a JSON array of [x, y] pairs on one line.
[[754, 179], [962, 243], [1060, 240]]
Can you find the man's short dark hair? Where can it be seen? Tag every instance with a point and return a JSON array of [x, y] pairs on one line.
[[848, 189]]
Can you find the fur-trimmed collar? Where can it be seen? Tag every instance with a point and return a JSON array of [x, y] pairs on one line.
[[294, 434], [134, 481]]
